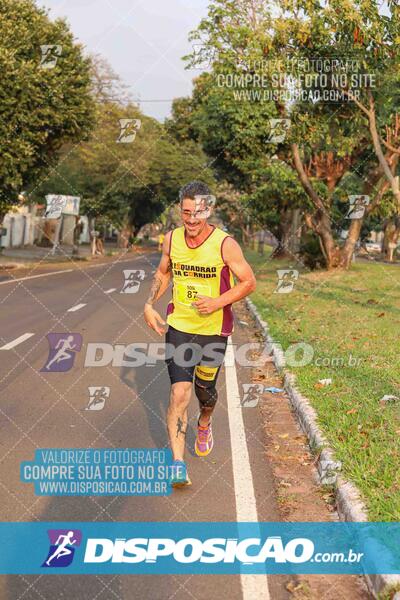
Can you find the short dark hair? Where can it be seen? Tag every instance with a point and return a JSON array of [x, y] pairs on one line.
[[192, 189]]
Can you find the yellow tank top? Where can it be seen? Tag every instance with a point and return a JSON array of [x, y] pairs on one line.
[[201, 271]]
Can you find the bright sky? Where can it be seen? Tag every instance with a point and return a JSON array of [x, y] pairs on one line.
[[143, 40]]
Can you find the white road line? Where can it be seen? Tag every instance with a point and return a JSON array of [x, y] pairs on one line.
[[110, 290], [254, 587], [36, 276], [75, 308], [17, 341], [116, 262]]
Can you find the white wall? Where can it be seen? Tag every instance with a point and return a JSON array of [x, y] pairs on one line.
[[16, 236]]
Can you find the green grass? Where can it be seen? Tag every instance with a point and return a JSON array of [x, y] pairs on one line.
[[341, 315]]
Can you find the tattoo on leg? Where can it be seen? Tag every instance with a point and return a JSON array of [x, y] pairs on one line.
[[179, 425]]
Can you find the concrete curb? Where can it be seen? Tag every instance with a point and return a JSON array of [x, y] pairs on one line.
[[4, 266], [350, 506]]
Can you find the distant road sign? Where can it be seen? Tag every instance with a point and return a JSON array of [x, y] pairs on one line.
[[55, 205], [58, 204], [72, 205]]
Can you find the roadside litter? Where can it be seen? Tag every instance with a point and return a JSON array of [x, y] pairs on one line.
[[387, 398], [323, 382]]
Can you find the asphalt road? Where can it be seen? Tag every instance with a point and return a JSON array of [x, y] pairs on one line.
[[44, 410]]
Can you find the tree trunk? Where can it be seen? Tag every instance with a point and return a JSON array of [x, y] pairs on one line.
[[319, 222], [390, 176], [2, 215], [330, 249], [288, 234], [92, 225], [125, 233], [261, 240], [346, 253], [391, 238]]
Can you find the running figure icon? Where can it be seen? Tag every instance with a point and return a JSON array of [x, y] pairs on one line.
[[97, 397], [133, 279], [62, 346], [62, 549]]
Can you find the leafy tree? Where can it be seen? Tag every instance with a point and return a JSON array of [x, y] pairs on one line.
[[179, 125], [126, 184], [235, 130], [44, 95], [362, 131], [326, 141], [107, 86]]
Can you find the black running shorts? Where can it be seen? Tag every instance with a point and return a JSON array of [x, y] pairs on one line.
[[188, 354]]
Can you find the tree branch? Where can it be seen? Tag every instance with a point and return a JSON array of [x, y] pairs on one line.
[[360, 105], [391, 148], [379, 152], [304, 180]]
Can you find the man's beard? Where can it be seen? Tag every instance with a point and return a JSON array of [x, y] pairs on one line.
[[197, 231]]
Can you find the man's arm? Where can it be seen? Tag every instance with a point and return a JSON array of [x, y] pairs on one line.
[[233, 257], [159, 285]]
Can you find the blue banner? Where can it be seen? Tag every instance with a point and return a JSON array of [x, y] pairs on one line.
[[199, 548]]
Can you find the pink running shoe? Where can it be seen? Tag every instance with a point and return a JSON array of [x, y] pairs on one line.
[[204, 440]]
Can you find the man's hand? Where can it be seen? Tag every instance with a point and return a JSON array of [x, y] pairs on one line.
[[206, 305], [153, 319]]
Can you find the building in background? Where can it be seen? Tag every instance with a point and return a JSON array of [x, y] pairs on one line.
[[27, 226]]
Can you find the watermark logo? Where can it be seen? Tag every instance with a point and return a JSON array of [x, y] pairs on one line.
[[140, 354], [203, 58], [50, 55], [328, 471], [358, 205], [128, 130], [195, 550], [251, 394], [190, 354], [286, 280], [62, 547], [284, 81], [133, 279], [278, 130], [97, 397], [203, 205], [63, 347], [55, 206]]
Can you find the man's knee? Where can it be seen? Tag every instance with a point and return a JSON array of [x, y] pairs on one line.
[[207, 394], [180, 394], [204, 385]]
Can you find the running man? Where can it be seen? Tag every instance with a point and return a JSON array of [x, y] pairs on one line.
[[99, 397], [201, 259], [64, 347], [62, 542]]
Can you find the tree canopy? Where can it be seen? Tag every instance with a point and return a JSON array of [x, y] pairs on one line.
[[45, 95], [330, 71]]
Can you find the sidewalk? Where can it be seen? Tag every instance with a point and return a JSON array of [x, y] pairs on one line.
[[19, 257], [31, 256], [36, 253]]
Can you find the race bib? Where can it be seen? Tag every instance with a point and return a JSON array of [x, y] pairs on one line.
[[186, 292]]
